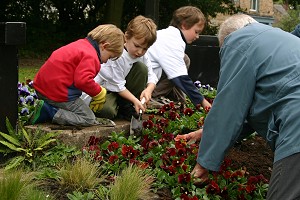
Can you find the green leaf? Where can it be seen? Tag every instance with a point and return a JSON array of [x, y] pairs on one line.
[[9, 127], [26, 136], [14, 162], [105, 145], [10, 145], [45, 144], [10, 139]]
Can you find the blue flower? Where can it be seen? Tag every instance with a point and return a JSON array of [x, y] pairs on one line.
[[197, 84], [21, 100], [24, 111], [30, 84], [29, 100], [23, 91]]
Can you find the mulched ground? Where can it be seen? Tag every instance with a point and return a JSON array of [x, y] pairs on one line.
[[255, 155]]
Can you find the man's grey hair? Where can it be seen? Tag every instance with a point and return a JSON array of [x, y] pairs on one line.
[[232, 24]]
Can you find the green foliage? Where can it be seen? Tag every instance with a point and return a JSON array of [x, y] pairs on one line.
[[80, 196], [26, 145], [58, 155], [16, 185], [132, 184], [51, 24], [289, 22], [26, 73], [80, 175]]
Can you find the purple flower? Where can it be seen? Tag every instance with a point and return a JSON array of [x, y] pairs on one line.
[[197, 84], [23, 91], [29, 100], [24, 111], [21, 100]]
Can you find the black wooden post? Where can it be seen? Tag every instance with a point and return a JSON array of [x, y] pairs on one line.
[[11, 35], [205, 60], [152, 10]]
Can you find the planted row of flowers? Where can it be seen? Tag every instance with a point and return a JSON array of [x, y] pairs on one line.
[[170, 162]]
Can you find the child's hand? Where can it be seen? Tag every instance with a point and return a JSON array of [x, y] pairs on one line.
[[140, 105], [98, 101]]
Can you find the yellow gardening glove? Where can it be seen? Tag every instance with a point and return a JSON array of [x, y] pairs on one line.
[[98, 101]]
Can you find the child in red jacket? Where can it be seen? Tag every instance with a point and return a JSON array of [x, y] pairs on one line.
[[69, 71]]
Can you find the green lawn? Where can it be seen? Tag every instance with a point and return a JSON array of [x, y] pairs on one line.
[[28, 68]]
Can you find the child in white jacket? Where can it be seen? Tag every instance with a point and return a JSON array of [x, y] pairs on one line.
[[168, 56]]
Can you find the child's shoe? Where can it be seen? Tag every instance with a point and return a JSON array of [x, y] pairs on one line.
[[43, 112]]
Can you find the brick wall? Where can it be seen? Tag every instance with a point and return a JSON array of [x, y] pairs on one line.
[[265, 9]]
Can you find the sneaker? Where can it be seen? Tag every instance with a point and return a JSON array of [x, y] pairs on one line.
[[36, 113], [126, 112]]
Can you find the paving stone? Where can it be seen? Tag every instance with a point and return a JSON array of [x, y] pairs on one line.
[[79, 136]]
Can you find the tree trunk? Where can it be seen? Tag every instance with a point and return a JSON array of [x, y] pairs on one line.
[[114, 12]]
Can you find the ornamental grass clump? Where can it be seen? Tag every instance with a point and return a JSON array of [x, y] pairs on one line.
[[20, 185], [80, 175], [132, 184]]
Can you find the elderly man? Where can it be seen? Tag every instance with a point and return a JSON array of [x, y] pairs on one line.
[[259, 83]]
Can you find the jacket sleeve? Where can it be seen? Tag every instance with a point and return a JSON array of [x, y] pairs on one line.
[[225, 120]]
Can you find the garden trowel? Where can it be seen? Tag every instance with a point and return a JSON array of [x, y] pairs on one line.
[[136, 124]]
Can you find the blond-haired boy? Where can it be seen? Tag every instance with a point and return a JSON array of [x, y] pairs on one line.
[[129, 78], [69, 71]]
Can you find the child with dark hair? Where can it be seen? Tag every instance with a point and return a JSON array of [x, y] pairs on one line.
[[168, 56]]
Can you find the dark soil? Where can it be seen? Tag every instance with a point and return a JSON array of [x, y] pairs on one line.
[[254, 155]]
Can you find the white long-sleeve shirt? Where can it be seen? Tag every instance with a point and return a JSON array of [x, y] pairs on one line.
[[113, 73], [167, 53]]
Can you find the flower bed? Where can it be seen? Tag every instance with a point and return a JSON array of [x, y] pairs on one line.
[[170, 162]]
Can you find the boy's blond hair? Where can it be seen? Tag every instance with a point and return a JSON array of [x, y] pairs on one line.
[[111, 34], [187, 16], [142, 28]]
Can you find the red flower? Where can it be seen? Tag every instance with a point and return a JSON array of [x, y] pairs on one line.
[[207, 109], [168, 136], [112, 146], [152, 144], [166, 107], [148, 124], [163, 122], [173, 115], [171, 151], [112, 159], [250, 188], [252, 180], [213, 188], [150, 161], [184, 178], [93, 141], [188, 112], [227, 174], [179, 144], [181, 152], [94, 148], [161, 112], [129, 152], [184, 167], [151, 117], [178, 162]]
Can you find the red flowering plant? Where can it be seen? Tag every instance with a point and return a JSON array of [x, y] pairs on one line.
[[170, 161]]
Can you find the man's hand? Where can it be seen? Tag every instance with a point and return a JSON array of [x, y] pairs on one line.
[[98, 101], [200, 172], [192, 136]]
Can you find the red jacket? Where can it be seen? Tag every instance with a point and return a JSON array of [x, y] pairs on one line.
[[69, 71]]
